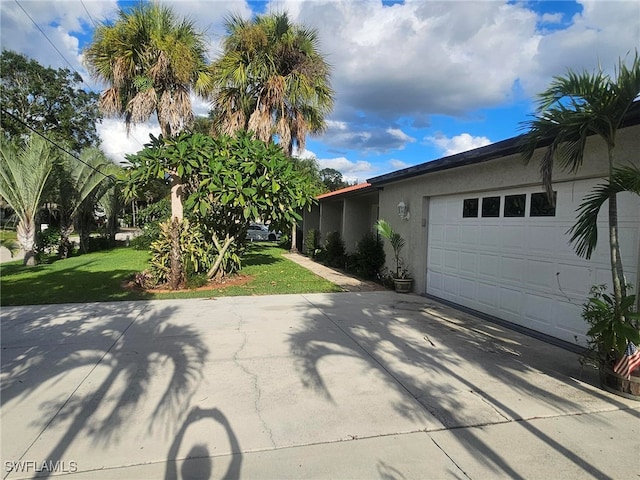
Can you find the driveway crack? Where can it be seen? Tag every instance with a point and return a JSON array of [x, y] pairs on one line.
[[254, 380]]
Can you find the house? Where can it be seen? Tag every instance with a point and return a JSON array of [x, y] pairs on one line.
[[481, 234]]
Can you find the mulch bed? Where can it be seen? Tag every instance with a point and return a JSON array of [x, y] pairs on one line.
[[234, 281]]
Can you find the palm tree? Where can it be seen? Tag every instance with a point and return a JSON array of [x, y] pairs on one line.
[[574, 107], [78, 182], [23, 175], [151, 60], [271, 79]]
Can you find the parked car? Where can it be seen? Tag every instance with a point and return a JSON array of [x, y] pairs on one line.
[[261, 233]]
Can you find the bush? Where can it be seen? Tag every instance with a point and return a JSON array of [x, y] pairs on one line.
[[369, 257], [335, 253], [312, 243], [95, 244], [47, 243], [196, 252]]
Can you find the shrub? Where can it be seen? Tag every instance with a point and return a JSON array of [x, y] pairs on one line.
[[312, 243], [47, 242], [196, 252], [369, 256], [335, 253]]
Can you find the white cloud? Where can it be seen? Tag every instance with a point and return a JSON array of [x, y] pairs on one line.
[[115, 141], [551, 18], [457, 144], [351, 171], [398, 164]]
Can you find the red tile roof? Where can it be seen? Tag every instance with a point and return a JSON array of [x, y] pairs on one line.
[[350, 188]]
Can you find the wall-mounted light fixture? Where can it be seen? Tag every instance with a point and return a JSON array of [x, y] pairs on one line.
[[403, 211]]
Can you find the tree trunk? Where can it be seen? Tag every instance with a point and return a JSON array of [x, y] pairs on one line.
[[617, 273], [26, 235], [214, 271], [176, 274], [294, 238]]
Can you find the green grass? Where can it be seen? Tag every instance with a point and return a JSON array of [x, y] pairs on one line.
[[8, 234], [98, 277]]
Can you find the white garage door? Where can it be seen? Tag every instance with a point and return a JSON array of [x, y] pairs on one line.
[[506, 253]]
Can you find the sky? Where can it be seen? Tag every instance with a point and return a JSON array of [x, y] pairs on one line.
[[414, 80]]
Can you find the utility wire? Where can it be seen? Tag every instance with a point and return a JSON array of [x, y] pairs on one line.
[[51, 42], [72, 155], [88, 14]]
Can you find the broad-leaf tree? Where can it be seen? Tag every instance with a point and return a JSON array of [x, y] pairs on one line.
[[573, 108], [230, 181], [272, 80], [151, 59], [332, 179], [24, 171], [48, 100]]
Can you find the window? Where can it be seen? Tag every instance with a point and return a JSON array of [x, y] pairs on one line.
[[540, 206], [491, 207], [514, 205], [470, 208]]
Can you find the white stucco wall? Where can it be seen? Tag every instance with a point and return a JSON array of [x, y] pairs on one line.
[[507, 172]]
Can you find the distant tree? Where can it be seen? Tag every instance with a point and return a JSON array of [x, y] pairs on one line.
[[24, 172], [332, 179], [49, 100]]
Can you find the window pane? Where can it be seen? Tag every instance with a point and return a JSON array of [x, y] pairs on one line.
[[540, 206], [470, 208], [491, 207], [514, 205]]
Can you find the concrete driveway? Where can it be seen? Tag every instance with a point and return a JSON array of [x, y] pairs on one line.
[[346, 385]]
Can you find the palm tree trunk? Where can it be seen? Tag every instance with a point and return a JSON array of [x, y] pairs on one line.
[[26, 233], [617, 273]]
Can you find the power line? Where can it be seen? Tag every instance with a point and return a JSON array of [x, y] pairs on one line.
[[51, 42], [63, 57], [72, 155], [89, 15]]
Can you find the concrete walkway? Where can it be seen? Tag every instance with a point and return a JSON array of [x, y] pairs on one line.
[[348, 283], [344, 385]]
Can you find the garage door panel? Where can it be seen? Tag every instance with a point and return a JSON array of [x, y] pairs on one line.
[[512, 269], [511, 301], [512, 237], [467, 289], [523, 269], [487, 294], [488, 265], [540, 274], [575, 279], [468, 263], [469, 235]]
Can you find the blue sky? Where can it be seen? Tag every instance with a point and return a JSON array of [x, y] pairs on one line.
[[414, 80]]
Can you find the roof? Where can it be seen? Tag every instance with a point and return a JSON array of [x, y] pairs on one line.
[[478, 155], [342, 191]]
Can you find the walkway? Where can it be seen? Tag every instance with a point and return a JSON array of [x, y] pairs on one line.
[[347, 282]]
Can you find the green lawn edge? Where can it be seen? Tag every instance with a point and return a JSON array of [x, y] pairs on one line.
[[99, 277]]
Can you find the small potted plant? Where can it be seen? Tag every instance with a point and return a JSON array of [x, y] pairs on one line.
[[402, 281], [613, 341]]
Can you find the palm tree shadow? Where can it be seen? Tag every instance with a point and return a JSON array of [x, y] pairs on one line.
[[401, 340], [38, 348]]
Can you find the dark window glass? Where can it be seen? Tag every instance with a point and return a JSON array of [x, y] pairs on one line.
[[540, 206], [470, 208], [514, 205], [491, 207]]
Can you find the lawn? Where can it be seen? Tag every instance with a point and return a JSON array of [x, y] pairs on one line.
[[99, 277]]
